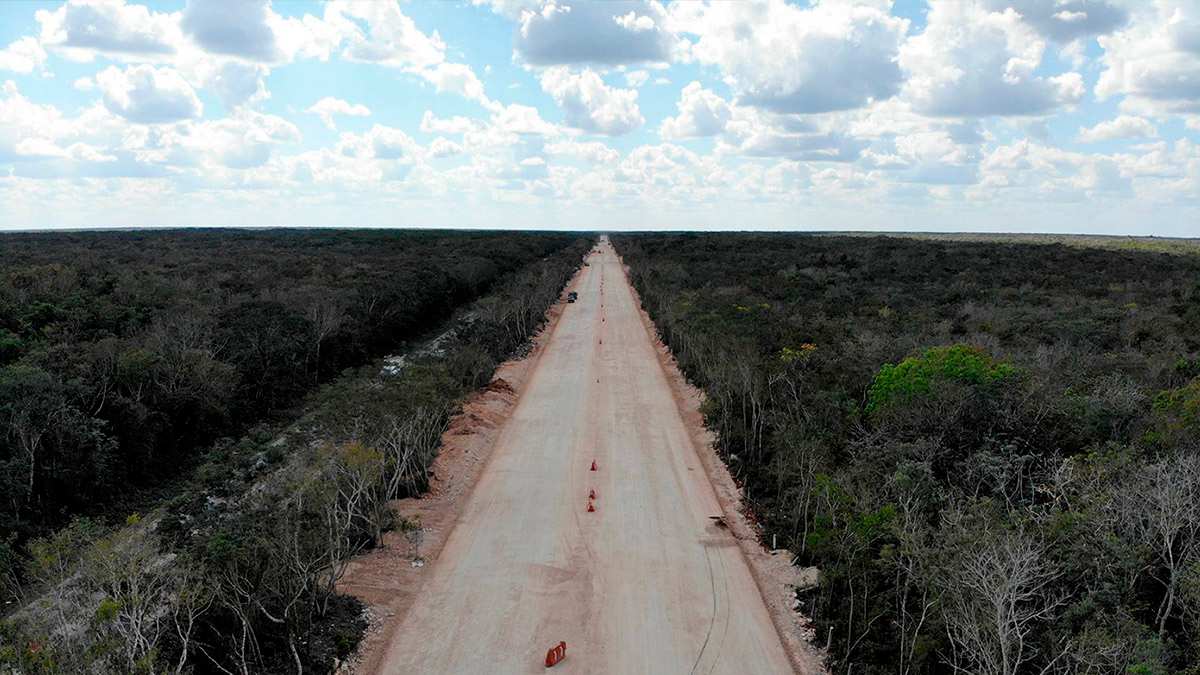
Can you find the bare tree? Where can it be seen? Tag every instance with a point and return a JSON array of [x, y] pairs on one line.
[[33, 405], [914, 597], [137, 584], [235, 593], [325, 316], [193, 597], [187, 365], [995, 594], [410, 444], [1159, 507], [352, 510]]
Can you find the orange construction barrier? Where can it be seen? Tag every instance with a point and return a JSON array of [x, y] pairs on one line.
[[556, 653]]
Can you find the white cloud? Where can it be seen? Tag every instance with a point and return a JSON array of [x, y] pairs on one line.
[[148, 95], [776, 183], [511, 134], [591, 151], [432, 124], [1075, 53], [591, 105], [754, 135], [1154, 62], [1031, 171], [237, 83], [22, 56], [216, 53], [1102, 175], [1124, 126], [634, 22], [457, 78], [1066, 20], [971, 62], [245, 29], [666, 173], [390, 143], [522, 120], [81, 27], [799, 98], [392, 38], [834, 55], [329, 106], [232, 27], [441, 147], [636, 78], [564, 32], [37, 141], [757, 133], [701, 113], [308, 36], [934, 157], [39, 147], [244, 140], [22, 119]]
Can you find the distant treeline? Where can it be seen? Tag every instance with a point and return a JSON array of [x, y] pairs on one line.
[[991, 451], [123, 352], [237, 570]]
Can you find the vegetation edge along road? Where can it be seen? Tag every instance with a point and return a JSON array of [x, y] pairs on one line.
[[123, 355], [946, 427], [238, 571], [390, 578]]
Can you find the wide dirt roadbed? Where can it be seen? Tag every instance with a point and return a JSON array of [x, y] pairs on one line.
[[645, 584]]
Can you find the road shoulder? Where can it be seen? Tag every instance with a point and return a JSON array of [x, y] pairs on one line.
[[384, 578], [772, 571]]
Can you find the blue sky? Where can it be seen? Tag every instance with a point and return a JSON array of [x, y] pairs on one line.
[[960, 115]]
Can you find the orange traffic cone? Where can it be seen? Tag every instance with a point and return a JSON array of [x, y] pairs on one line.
[[594, 465], [591, 507], [592, 493], [556, 653]]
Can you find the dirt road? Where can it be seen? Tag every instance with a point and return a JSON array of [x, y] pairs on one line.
[[645, 584]]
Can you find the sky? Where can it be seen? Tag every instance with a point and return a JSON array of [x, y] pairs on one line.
[[913, 115]]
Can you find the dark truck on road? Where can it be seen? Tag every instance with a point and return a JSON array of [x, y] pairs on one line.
[[572, 296]]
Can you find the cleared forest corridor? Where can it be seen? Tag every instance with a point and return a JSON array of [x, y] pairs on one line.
[[644, 584]]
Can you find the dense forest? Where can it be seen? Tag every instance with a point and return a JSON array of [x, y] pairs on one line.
[[123, 352], [239, 372], [991, 451]]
